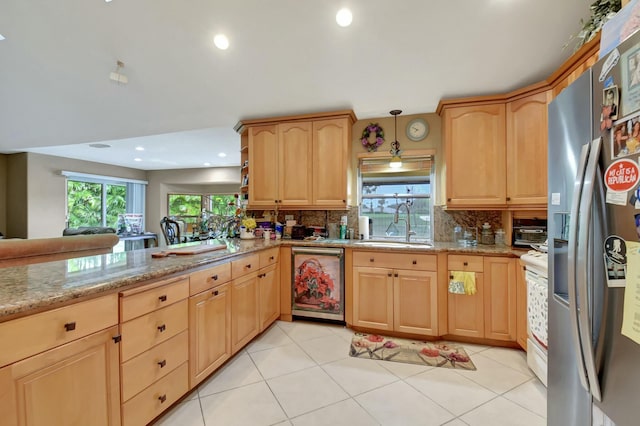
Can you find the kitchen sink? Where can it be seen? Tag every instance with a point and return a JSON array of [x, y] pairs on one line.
[[392, 244]]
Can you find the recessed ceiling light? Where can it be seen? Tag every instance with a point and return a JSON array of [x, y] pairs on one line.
[[99, 145], [137, 159], [1, 37], [222, 155], [107, 1], [207, 164], [344, 17], [221, 41], [139, 148]]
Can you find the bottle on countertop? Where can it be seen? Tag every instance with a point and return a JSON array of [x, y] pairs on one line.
[[499, 237], [487, 235]]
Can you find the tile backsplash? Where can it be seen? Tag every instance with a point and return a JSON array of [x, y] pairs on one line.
[[444, 220]]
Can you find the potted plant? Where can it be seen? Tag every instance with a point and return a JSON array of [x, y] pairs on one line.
[[601, 12]]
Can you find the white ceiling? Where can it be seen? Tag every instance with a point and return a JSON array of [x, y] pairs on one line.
[[285, 57]]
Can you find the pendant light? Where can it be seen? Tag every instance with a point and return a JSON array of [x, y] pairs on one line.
[[396, 161]]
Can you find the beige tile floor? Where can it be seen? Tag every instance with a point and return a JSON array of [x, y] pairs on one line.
[[300, 373]]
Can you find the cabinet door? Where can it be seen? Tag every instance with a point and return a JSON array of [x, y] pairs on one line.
[[474, 140], [209, 332], [245, 322], [269, 281], [74, 384], [373, 298], [527, 151], [466, 312], [295, 165], [500, 298], [415, 302], [331, 153], [263, 165], [521, 308]]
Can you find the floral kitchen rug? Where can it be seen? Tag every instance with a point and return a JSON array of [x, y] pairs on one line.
[[434, 354]]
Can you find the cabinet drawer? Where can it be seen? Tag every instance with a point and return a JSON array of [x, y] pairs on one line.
[[142, 333], [24, 337], [142, 300], [245, 265], [157, 362], [458, 262], [269, 257], [152, 401], [204, 280], [410, 261]]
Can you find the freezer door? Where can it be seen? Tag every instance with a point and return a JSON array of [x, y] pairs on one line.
[[570, 128]]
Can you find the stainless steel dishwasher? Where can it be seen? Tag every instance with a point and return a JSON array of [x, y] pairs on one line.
[[317, 282]]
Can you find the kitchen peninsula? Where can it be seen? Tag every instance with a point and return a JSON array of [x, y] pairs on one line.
[[130, 335]]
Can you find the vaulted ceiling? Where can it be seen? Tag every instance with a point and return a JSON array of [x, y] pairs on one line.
[[184, 95]]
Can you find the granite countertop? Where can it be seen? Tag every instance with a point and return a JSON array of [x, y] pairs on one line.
[[36, 287]]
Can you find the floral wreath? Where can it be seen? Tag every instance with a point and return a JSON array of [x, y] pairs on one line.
[[372, 146]]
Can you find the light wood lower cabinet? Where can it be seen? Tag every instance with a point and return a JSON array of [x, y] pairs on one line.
[[209, 331], [245, 302], [521, 302], [269, 283], [395, 299], [74, 384], [490, 313]]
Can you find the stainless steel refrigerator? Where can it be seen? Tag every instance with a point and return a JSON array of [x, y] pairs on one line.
[[593, 202]]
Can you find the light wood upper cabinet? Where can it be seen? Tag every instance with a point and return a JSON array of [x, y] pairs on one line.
[[474, 138], [527, 151], [263, 165], [331, 155], [294, 164], [299, 161]]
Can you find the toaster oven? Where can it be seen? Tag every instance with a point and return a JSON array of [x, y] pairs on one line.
[[524, 236]]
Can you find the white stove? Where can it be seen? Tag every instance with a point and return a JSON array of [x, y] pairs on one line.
[[536, 274]]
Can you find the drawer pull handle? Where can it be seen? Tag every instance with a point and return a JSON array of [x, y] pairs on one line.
[[465, 263], [215, 292], [163, 298], [162, 328], [162, 398], [371, 259], [162, 363], [117, 339], [215, 277], [70, 326], [415, 262]]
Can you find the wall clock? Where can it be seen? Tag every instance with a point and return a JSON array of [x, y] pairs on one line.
[[417, 129]]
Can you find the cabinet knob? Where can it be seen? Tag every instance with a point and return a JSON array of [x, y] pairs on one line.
[[162, 328], [272, 258], [449, 199], [215, 277], [415, 262], [508, 198], [450, 277], [395, 275], [389, 274], [465, 263], [163, 298], [70, 326], [371, 259], [344, 201], [162, 363], [162, 398], [215, 292], [249, 266]]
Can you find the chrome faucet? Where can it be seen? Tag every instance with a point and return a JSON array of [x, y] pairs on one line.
[[408, 232]]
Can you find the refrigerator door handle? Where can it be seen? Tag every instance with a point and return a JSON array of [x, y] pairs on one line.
[[572, 259], [586, 217]]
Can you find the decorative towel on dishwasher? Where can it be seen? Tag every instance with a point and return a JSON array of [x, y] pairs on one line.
[[462, 283]]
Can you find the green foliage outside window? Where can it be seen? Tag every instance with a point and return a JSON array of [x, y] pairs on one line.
[[84, 203], [185, 205]]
